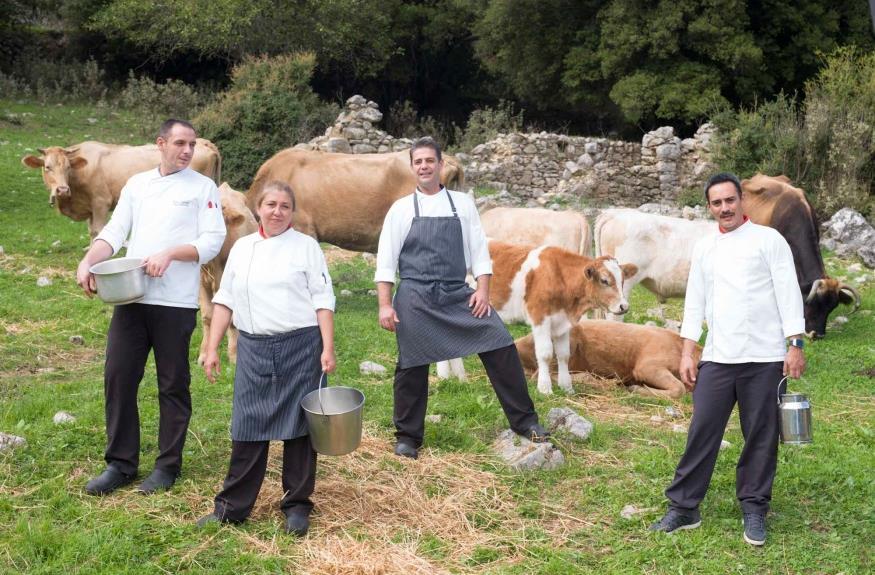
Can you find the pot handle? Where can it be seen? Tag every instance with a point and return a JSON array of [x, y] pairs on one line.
[[321, 379], [779, 390]]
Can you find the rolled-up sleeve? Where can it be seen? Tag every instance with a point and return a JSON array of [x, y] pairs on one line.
[[478, 247], [389, 247], [318, 279], [116, 231], [210, 225], [694, 300], [787, 292]]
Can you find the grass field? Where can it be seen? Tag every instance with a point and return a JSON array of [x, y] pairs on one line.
[[455, 510]]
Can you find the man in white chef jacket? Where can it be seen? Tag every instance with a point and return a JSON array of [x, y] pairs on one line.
[[743, 284], [172, 218]]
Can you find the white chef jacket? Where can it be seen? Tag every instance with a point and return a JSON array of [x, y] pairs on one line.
[[160, 212], [275, 285], [397, 225], [743, 284]]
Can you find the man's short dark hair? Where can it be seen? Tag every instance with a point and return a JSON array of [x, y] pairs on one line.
[[426, 142], [168, 124], [719, 179]]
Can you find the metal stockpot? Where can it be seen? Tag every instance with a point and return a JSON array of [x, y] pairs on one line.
[[120, 281], [795, 414], [334, 416]]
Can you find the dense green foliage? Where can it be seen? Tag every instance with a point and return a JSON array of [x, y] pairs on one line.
[[562, 522], [597, 65], [269, 106], [825, 144]]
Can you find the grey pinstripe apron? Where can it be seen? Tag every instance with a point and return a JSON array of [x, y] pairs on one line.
[[435, 322], [274, 372]]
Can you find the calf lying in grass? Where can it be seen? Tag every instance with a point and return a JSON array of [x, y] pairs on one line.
[[644, 357]]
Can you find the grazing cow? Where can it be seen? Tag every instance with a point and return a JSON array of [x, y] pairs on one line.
[[661, 247], [342, 199], [775, 202], [239, 222], [538, 227], [645, 358], [550, 288], [85, 180]]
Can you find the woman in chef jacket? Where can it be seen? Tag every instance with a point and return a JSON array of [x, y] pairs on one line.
[[277, 290]]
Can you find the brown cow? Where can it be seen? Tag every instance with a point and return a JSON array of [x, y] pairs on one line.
[[550, 288], [645, 358], [539, 227], [239, 222], [85, 180], [342, 199], [775, 202]]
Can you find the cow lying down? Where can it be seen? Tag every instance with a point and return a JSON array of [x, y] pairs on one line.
[[644, 357]]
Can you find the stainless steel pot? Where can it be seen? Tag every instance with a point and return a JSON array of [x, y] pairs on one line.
[[120, 281]]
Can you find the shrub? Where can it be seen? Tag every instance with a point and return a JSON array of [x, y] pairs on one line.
[[485, 124], [56, 80], [154, 102], [269, 106], [691, 197], [824, 145]]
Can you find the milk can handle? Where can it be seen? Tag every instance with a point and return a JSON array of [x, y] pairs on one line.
[[779, 390], [321, 379]]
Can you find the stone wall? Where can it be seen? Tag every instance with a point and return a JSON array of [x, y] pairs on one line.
[[540, 168], [537, 168]]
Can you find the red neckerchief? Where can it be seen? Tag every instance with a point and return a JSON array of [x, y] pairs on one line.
[[722, 231], [265, 236]]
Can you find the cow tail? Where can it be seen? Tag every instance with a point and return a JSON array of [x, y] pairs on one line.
[[218, 178], [597, 234]]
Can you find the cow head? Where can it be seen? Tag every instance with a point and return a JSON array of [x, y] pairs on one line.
[[56, 163], [824, 296], [606, 277]]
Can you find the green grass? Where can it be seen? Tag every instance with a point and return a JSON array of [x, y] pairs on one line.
[[559, 522]]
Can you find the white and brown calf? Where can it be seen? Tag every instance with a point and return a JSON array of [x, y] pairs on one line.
[[550, 289], [646, 358], [239, 222]]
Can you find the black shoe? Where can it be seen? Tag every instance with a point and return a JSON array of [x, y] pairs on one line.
[[108, 481], [158, 480], [207, 520], [536, 434], [298, 523], [675, 519], [755, 528], [406, 450]]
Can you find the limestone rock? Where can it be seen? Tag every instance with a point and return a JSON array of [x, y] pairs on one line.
[[9, 441], [371, 368], [345, 292], [678, 428], [433, 418], [76, 340], [673, 412], [43, 281], [724, 444], [630, 511], [567, 420], [63, 417], [848, 233], [338, 145], [521, 454]]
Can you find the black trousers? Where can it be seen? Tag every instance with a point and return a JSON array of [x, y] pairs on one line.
[[719, 385], [246, 474], [136, 329], [505, 373]]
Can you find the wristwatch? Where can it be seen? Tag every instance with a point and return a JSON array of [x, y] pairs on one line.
[[797, 342]]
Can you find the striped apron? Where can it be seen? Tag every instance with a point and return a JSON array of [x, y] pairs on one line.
[[435, 322], [274, 372]]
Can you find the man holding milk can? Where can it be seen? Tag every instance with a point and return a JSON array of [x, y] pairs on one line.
[[743, 284]]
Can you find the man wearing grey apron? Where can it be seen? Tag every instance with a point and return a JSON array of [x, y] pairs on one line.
[[432, 237]]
